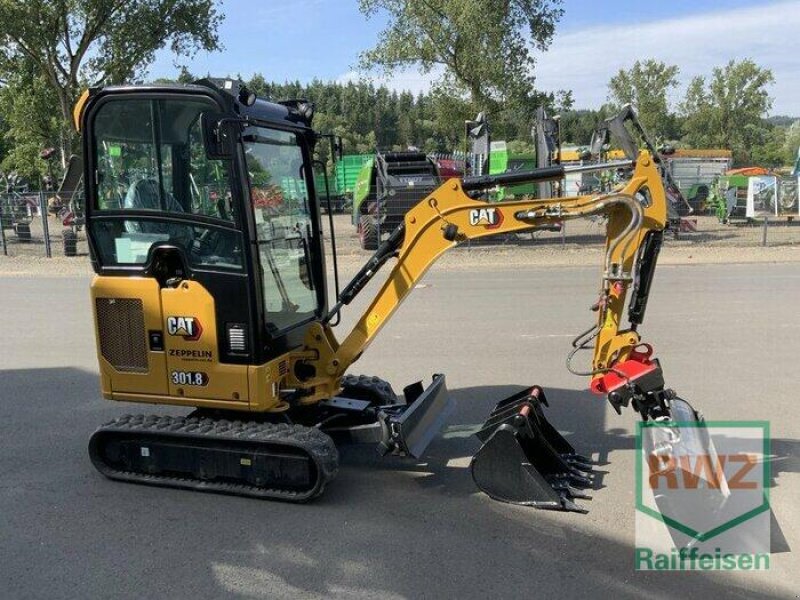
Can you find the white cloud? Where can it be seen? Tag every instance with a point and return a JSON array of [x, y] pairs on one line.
[[585, 60]]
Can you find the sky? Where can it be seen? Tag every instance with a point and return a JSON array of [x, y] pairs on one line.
[[307, 39]]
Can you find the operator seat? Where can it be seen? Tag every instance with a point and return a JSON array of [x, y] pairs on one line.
[[144, 194]]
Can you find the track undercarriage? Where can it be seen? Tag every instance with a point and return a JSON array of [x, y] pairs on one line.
[[289, 456]]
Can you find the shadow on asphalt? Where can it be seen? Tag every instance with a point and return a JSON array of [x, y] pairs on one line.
[[67, 532], [578, 415]]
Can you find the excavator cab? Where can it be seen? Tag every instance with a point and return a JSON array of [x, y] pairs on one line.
[[211, 211]]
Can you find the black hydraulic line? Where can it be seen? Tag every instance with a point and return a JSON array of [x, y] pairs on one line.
[[385, 251], [645, 269], [481, 182]]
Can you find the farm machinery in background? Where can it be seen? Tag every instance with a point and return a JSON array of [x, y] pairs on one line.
[[17, 207], [338, 183], [67, 205], [743, 195], [65, 202], [391, 183], [387, 187]]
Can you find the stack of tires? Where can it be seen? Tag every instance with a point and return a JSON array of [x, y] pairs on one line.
[[23, 231], [70, 239]]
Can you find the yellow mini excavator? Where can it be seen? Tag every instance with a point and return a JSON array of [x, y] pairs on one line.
[[204, 224]]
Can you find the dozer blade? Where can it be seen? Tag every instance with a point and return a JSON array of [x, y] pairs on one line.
[[525, 460], [403, 429], [414, 429]]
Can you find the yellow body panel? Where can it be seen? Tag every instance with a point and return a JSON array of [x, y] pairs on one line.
[[227, 386], [190, 300]]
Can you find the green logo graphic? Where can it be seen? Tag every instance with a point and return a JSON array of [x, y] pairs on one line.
[[707, 484]]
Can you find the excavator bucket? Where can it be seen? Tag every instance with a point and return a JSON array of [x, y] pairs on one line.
[[676, 449], [525, 460]]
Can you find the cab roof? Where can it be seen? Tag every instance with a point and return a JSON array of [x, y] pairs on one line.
[[224, 91]]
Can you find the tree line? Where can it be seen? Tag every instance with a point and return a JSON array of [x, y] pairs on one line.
[[481, 52]]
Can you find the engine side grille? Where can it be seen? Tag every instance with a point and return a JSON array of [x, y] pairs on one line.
[[120, 324]]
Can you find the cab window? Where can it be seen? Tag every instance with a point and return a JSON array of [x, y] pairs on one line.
[[150, 158]]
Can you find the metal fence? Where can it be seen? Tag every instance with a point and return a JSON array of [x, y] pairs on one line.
[[37, 224], [40, 224], [704, 231]]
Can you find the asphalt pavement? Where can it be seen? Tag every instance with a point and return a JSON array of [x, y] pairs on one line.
[[395, 528]]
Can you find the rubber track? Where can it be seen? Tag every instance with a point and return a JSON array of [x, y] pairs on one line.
[[317, 444], [367, 387]]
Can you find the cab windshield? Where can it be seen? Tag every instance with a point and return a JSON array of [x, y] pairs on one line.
[[152, 176], [280, 202]]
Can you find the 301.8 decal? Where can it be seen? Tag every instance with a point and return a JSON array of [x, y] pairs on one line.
[[189, 378]]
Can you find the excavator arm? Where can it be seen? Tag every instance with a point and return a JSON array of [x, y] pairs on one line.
[[523, 458], [636, 216]]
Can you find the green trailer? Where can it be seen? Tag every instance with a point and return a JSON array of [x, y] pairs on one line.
[[342, 182], [362, 187], [347, 170], [501, 160]]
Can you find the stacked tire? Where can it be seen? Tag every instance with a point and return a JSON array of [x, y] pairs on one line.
[[70, 239], [368, 235], [23, 231]]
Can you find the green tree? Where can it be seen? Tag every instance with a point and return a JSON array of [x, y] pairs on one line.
[[767, 148], [3, 135], [74, 43], [727, 110], [483, 48], [646, 86], [577, 126], [26, 104], [791, 145]]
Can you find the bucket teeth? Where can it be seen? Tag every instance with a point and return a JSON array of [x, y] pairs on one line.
[[580, 468], [525, 460], [571, 492], [580, 480], [570, 506], [580, 462]]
